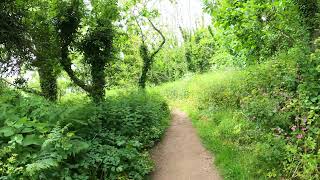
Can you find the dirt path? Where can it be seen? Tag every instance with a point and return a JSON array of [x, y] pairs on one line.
[[180, 155]]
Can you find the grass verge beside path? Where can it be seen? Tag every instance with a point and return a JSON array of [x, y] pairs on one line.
[[232, 161]]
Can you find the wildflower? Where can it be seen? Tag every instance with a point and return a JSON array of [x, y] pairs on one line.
[[293, 128], [299, 136]]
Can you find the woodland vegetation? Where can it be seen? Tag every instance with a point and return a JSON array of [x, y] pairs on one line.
[[86, 87]]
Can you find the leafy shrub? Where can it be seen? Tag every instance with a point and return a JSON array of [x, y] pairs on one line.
[[202, 49], [254, 30], [169, 65], [261, 109], [41, 140]]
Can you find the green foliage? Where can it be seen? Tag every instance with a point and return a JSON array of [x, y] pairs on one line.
[[309, 11], [201, 49], [169, 64], [13, 36], [261, 121], [254, 30], [125, 72], [42, 140]]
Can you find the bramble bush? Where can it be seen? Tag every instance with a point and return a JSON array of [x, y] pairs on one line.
[[42, 140]]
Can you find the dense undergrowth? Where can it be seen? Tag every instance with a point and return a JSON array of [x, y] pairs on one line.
[[253, 119], [76, 140]]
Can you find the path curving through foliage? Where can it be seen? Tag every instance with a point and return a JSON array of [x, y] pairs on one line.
[[180, 155]]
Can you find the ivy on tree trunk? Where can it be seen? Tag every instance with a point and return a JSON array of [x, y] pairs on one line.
[[146, 55], [48, 81]]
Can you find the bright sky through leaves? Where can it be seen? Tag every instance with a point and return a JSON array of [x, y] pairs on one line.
[[184, 13]]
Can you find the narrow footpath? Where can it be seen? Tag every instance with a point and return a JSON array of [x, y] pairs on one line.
[[180, 155]]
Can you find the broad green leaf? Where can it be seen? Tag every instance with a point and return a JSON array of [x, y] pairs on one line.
[[42, 127], [79, 146], [27, 130], [20, 123], [17, 138], [32, 140], [7, 131]]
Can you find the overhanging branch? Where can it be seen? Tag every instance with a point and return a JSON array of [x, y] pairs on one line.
[[163, 39], [140, 28], [66, 64]]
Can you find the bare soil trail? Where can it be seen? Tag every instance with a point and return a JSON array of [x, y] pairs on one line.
[[180, 155]]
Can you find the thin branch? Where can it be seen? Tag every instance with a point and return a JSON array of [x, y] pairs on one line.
[[186, 35], [25, 89], [163, 39], [140, 28], [210, 31]]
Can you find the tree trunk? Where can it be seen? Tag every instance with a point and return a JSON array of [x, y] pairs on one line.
[[147, 60], [145, 70], [48, 81], [98, 81]]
